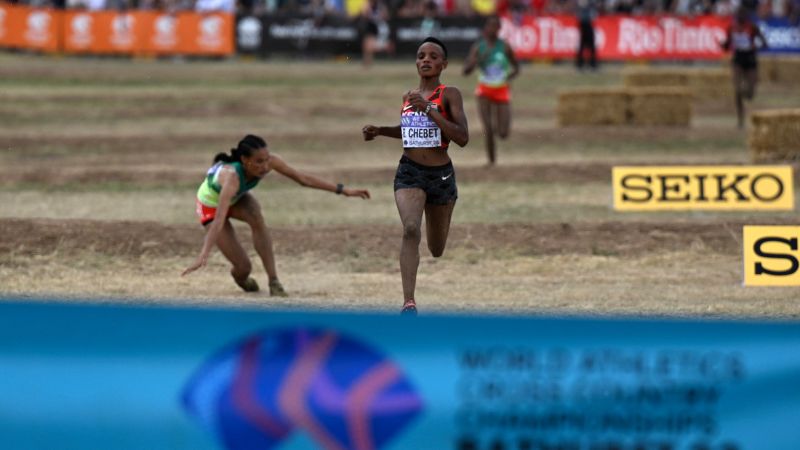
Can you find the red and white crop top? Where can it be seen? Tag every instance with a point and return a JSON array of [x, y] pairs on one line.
[[420, 131]]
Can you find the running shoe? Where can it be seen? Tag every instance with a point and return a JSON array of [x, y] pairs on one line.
[[409, 308], [276, 289], [249, 285]]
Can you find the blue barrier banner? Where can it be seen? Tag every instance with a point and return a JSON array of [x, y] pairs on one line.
[[96, 377], [782, 36]]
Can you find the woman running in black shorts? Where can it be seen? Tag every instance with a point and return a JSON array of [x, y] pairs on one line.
[[224, 194], [432, 115], [744, 39]]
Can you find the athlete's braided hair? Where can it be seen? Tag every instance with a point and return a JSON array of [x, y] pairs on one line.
[[246, 147]]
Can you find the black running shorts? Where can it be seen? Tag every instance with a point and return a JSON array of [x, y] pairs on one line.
[[438, 182], [746, 60]]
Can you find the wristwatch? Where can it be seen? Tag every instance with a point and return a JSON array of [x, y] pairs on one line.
[[430, 106]]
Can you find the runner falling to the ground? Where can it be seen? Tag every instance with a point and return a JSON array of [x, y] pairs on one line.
[[432, 115], [224, 195]]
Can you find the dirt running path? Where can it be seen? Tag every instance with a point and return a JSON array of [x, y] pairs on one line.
[[563, 173], [608, 268], [136, 239]]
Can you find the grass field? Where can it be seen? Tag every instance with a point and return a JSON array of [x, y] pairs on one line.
[[100, 159]]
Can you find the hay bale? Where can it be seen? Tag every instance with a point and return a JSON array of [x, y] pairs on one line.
[[775, 135], [593, 106], [642, 77], [708, 84], [779, 69], [767, 69], [660, 106], [665, 106], [787, 70], [704, 84]]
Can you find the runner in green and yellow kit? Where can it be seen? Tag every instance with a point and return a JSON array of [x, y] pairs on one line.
[[498, 66], [225, 194]]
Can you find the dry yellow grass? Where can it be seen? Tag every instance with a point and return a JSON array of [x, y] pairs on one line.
[[687, 283], [775, 135]]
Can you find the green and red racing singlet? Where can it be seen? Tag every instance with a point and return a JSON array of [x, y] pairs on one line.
[[493, 63], [208, 193]]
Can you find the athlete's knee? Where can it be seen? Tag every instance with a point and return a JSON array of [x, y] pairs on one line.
[[436, 249], [241, 269], [258, 226], [411, 231], [503, 133]]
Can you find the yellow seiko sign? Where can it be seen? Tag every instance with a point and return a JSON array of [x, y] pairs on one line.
[[651, 188], [771, 255]]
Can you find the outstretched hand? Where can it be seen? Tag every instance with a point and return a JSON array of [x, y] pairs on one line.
[[363, 193], [370, 132], [201, 261]]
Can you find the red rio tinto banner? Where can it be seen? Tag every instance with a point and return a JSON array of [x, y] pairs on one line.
[[619, 37]]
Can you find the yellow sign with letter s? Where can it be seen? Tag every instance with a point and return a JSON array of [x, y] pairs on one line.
[[771, 255]]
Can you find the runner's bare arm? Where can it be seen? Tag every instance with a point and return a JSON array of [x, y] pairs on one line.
[[760, 37], [230, 185], [312, 181], [370, 132], [455, 129], [472, 60], [514, 63], [726, 44]]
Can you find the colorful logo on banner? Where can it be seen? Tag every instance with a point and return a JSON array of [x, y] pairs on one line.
[[341, 392], [39, 28], [703, 188], [210, 35], [80, 31], [249, 33], [166, 32], [771, 255], [2, 23], [122, 30]]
